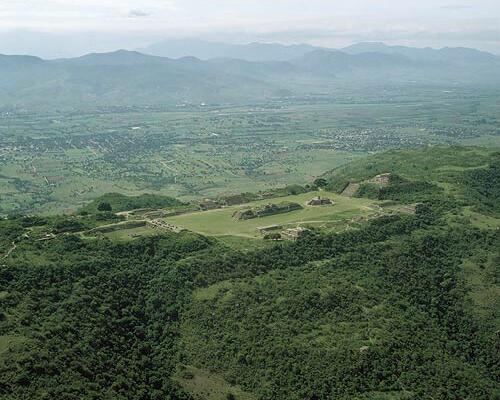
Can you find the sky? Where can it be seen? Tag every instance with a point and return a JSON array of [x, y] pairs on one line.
[[53, 28]]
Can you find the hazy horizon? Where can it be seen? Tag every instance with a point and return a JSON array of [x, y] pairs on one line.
[[115, 45], [59, 28]]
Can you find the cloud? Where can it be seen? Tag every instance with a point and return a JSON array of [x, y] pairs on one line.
[[325, 22], [457, 7], [136, 13]]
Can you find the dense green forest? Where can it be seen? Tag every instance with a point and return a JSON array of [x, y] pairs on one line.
[[117, 202], [405, 306]]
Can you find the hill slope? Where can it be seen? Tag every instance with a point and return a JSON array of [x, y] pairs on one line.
[[467, 175], [125, 78], [403, 307]]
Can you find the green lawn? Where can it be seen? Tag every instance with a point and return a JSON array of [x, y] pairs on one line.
[[244, 243], [204, 385], [481, 221], [130, 234], [220, 222]]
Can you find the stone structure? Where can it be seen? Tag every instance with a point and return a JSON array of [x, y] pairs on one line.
[[318, 201], [294, 233]]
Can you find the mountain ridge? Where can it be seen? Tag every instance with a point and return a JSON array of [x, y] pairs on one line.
[[413, 53], [131, 78], [423, 54], [205, 50]]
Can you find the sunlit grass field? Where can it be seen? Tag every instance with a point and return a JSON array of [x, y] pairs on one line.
[[220, 222]]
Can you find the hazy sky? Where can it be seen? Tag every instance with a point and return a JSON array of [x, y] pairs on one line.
[[83, 25]]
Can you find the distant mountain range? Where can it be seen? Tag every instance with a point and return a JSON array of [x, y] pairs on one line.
[[204, 50], [445, 55], [132, 78]]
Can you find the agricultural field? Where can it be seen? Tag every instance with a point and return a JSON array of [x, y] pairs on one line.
[[52, 163], [220, 222]]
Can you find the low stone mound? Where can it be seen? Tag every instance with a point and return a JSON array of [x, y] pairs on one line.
[[318, 201], [266, 210], [382, 179]]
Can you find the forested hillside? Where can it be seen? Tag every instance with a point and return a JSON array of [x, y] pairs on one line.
[[404, 306], [467, 175]]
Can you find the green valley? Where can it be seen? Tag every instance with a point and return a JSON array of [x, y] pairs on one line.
[[183, 218], [57, 162]]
